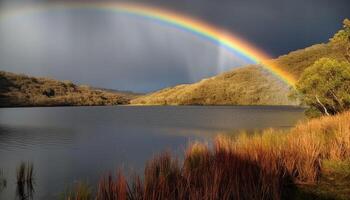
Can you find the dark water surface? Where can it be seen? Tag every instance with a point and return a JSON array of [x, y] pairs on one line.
[[68, 144]]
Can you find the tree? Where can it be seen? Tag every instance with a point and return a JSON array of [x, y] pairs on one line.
[[325, 87], [342, 37]]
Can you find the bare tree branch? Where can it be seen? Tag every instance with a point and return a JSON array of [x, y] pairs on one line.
[[324, 107]]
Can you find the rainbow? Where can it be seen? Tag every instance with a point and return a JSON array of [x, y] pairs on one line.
[[222, 38]]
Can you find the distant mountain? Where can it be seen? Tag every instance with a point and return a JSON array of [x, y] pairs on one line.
[[22, 90], [249, 85]]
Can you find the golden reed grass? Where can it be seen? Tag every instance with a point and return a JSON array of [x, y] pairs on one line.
[[259, 166]]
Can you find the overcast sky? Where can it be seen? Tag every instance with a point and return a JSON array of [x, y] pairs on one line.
[[115, 51]]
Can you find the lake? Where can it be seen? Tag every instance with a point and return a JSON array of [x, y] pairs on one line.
[[70, 144]]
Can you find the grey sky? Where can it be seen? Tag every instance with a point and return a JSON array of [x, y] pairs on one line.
[[120, 52]]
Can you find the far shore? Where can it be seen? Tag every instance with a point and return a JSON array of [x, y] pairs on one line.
[[153, 105]]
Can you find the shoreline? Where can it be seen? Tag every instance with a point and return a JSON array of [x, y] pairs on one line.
[[155, 105]]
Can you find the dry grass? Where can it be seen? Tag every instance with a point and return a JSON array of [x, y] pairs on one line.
[[250, 85], [205, 174], [260, 166], [300, 152], [110, 189]]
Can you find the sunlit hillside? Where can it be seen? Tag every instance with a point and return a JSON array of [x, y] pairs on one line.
[[21, 90], [297, 61], [245, 86], [250, 85]]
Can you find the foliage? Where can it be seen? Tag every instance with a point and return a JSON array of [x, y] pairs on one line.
[[325, 86], [342, 36]]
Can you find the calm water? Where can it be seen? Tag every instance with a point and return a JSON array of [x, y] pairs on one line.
[[67, 144]]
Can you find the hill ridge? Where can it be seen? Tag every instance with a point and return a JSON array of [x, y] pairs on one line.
[[22, 90]]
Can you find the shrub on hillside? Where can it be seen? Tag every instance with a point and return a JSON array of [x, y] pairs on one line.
[[342, 38]]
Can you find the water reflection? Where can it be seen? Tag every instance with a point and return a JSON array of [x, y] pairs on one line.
[[25, 191], [3, 181], [25, 181]]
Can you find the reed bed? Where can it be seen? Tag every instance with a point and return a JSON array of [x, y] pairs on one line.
[[260, 166]]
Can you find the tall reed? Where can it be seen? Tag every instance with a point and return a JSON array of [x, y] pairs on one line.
[[112, 189]]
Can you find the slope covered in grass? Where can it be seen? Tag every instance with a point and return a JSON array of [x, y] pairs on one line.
[[250, 85], [246, 86], [21, 90], [297, 61]]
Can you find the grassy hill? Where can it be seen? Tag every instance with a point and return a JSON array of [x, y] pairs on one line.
[[21, 90], [245, 86], [250, 85], [297, 61]]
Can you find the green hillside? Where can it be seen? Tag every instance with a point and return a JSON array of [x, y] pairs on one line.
[[21, 90], [249, 85]]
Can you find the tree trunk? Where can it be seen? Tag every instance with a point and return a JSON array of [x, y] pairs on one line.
[[324, 107]]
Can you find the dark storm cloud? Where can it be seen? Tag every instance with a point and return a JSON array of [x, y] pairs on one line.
[[277, 26], [111, 51]]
